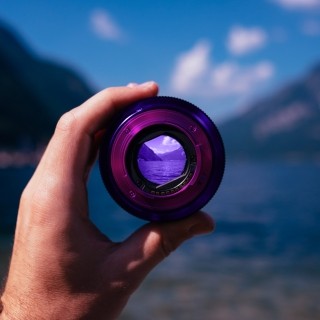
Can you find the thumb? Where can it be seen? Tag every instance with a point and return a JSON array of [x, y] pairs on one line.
[[148, 246]]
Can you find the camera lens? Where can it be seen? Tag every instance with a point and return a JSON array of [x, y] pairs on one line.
[[162, 159]]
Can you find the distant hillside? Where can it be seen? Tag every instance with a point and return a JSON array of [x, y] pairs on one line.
[[285, 125], [177, 154], [145, 153], [33, 93]]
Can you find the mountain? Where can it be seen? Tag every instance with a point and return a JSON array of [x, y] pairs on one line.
[[34, 92], [177, 154], [145, 153], [284, 125]]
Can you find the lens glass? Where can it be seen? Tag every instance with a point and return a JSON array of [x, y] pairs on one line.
[[161, 159]]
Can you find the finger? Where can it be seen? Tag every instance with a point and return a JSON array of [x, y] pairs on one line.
[[152, 243], [92, 115], [71, 148]]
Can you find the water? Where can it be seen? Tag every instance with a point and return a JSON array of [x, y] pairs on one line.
[[161, 172], [262, 262]]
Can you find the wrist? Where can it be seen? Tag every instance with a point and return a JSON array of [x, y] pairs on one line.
[[30, 307], [19, 305], [11, 310], [46, 306]]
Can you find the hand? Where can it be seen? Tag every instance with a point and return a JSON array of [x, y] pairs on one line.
[[62, 267]]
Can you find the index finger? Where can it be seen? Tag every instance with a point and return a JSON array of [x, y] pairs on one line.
[[93, 114], [69, 149]]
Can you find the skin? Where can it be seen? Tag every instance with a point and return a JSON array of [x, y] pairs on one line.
[[62, 266]]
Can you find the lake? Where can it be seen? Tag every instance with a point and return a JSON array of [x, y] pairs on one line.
[[161, 172], [262, 262]]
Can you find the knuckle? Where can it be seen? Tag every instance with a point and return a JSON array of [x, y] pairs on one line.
[[109, 92], [38, 196], [165, 242], [67, 122], [109, 95], [25, 196], [27, 193], [166, 247]]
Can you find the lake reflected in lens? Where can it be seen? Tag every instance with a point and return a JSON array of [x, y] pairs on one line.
[[161, 160]]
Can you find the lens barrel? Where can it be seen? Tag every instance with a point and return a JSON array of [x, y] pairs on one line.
[[162, 159]]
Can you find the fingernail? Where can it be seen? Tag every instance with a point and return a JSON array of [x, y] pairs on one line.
[[147, 84], [132, 85]]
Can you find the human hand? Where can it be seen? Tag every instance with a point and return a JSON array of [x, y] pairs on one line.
[[62, 266]]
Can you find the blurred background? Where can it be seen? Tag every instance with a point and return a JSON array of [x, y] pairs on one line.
[[254, 68]]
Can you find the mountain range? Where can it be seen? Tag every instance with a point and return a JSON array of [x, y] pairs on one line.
[[34, 93], [177, 154], [147, 154], [284, 125]]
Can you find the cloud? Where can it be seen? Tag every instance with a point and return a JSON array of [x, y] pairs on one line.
[[190, 67], [298, 4], [244, 40], [216, 80], [311, 28], [231, 79], [104, 26], [168, 141]]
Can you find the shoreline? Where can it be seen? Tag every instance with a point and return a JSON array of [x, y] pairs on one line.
[[30, 158], [20, 158]]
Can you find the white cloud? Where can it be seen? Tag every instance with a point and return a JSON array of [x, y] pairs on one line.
[[231, 79], [190, 67], [104, 26], [216, 80], [298, 4], [311, 28], [244, 40], [168, 141]]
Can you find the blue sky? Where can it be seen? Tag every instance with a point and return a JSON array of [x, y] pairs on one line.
[[163, 144], [218, 54]]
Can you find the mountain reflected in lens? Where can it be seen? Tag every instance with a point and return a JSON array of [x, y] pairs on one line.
[[162, 159]]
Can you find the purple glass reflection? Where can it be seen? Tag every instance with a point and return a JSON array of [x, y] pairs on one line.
[[161, 159]]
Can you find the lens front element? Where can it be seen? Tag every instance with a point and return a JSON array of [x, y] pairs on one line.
[[161, 159]]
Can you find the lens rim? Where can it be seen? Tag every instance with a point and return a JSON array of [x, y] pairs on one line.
[[200, 130]]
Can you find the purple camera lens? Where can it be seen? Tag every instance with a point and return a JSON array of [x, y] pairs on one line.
[[162, 159]]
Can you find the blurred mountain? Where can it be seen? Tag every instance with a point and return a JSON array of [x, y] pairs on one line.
[[177, 154], [34, 92], [145, 153], [284, 125]]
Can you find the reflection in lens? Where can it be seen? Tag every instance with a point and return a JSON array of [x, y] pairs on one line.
[[161, 159]]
